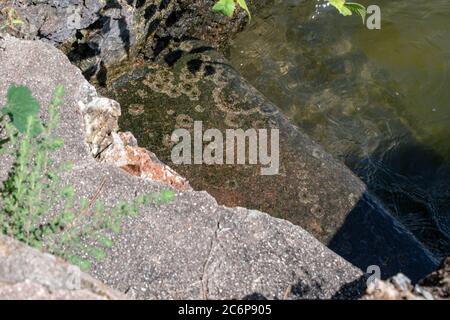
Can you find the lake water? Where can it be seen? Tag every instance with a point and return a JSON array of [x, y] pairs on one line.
[[379, 100]]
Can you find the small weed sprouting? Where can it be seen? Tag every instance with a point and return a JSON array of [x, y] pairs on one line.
[[82, 229]]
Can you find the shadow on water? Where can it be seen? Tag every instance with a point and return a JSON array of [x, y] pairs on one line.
[[368, 228], [377, 100], [412, 180]]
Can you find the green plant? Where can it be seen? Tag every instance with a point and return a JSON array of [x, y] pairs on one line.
[[33, 188], [347, 8], [227, 7]]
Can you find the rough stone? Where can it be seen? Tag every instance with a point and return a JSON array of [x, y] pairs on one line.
[[398, 287], [97, 34], [26, 273], [124, 152], [191, 247], [56, 21], [120, 148], [434, 286], [101, 116]]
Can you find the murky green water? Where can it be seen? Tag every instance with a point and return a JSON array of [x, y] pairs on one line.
[[377, 99]]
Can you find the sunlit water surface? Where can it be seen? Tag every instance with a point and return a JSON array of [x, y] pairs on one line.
[[377, 99]]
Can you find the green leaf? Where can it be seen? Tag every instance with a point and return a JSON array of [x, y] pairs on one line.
[[140, 200], [69, 216], [17, 21], [244, 6], [358, 9], [56, 144], [58, 95], [66, 166], [36, 244], [115, 227], [166, 196], [147, 199], [106, 241], [98, 254], [68, 192], [20, 106], [99, 207], [84, 203], [78, 261], [156, 198], [340, 6], [225, 7]]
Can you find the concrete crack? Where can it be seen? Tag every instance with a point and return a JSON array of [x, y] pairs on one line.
[[204, 278]]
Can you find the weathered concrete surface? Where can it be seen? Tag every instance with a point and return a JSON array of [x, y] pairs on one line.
[[192, 247], [26, 273], [312, 189]]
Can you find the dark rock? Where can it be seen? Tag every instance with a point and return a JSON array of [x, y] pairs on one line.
[[96, 34], [56, 21], [312, 190]]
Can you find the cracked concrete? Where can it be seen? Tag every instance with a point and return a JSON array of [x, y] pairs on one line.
[[205, 276]]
